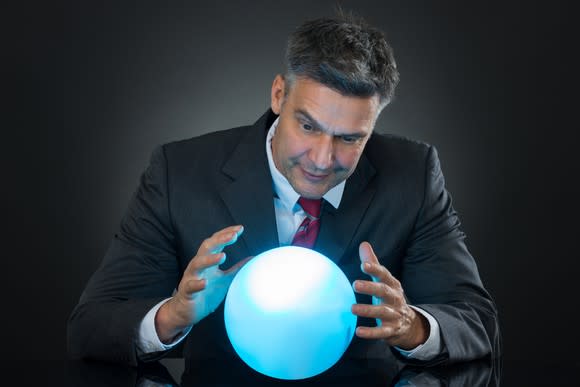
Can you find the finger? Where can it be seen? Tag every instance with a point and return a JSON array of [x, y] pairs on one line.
[[376, 289], [382, 332], [202, 262], [220, 239], [381, 312], [237, 231], [234, 269], [380, 273]]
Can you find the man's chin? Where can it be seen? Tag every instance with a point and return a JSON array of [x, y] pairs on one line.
[[311, 189], [310, 192]]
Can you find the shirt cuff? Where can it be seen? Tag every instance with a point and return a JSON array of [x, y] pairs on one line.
[[430, 348], [148, 340]]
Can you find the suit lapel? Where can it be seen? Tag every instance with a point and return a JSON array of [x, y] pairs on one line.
[[338, 226], [249, 197]]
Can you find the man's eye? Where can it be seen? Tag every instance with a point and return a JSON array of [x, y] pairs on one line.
[[307, 127], [349, 140]]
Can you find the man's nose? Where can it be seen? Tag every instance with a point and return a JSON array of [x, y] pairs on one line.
[[322, 152]]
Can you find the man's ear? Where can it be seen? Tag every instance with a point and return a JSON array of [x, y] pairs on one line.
[[277, 94]]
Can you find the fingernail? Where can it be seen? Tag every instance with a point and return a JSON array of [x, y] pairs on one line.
[[223, 258]]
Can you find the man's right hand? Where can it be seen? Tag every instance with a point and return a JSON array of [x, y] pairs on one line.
[[202, 288]]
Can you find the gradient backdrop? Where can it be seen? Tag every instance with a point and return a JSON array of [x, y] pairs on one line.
[[99, 85]]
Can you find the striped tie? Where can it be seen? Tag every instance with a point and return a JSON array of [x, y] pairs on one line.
[[308, 230]]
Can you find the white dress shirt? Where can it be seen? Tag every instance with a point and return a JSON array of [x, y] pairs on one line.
[[289, 216]]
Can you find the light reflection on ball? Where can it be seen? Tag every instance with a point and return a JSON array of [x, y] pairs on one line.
[[287, 313]]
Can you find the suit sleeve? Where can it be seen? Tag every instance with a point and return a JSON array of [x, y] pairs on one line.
[[440, 276], [139, 269]]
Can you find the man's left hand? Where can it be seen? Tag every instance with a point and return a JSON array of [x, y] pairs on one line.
[[397, 323]]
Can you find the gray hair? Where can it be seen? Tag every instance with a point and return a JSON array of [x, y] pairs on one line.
[[344, 54]]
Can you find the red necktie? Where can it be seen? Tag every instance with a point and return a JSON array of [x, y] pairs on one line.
[[308, 230]]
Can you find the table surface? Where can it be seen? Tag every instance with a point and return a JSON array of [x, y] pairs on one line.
[[534, 371]]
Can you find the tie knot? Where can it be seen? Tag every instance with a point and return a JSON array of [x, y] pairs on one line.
[[311, 206]]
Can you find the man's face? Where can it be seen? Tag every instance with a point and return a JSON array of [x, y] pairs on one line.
[[321, 134]]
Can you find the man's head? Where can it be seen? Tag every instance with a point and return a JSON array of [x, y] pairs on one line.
[[340, 74]]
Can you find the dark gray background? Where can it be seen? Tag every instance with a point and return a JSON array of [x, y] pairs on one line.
[[99, 85]]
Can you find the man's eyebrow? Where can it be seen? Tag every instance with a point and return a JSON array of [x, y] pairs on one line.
[[318, 125]]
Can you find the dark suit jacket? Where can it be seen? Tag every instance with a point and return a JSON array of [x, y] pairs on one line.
[[395, 199]]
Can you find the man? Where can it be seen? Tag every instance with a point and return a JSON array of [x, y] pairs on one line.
[[311, 172]]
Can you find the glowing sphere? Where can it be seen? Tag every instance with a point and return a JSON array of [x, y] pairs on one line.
[[287, 313]]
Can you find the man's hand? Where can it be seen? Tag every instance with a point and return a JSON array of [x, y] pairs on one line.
[[202, 288], [397, 323]]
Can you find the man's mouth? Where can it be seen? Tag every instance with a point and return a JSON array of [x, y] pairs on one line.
[[314, 177]]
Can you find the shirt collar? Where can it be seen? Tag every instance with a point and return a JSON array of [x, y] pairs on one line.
[[282, 187]]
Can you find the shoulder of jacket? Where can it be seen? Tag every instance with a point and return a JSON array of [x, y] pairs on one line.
[[221, 137]]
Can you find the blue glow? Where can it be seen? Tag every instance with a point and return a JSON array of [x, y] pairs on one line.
[[287, 313]]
